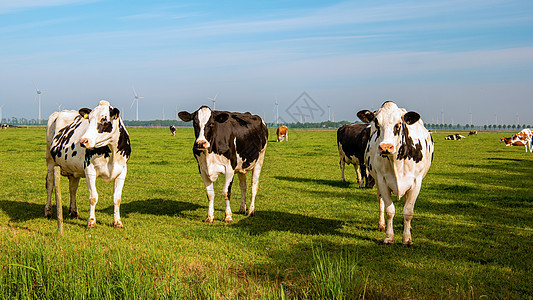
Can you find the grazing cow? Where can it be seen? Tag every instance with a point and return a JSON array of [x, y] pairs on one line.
[[228, 143], [282, 134], [454, 137], [172, 130], [4, 126], [398, 156], [472, 132], [525, 137], [352, 141], [87, 143]]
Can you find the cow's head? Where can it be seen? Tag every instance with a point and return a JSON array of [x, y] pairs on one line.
[[205, 122], [103, 125], [389, 126]]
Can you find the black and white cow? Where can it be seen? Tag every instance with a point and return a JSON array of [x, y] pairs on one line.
[[4, 126], [228, 143], [87, 143], [352, 141], [172, 130], [398, 156], [454, 137]]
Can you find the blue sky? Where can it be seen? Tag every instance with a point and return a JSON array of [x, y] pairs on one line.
[[457, 59]]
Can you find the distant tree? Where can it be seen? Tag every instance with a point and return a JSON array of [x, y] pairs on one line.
[[458, 126], [485, 126]]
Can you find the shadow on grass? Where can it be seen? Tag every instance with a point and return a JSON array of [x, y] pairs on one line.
[[334, 183], [157, 207], [23, 211], [267, 221]]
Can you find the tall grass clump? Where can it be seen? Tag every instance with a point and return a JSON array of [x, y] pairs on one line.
[[337, 277]]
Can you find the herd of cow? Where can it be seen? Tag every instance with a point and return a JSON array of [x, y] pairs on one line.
[[393, 150]]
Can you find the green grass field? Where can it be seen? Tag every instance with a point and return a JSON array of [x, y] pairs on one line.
[[312, 236]]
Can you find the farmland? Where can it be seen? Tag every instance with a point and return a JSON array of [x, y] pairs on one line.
[[312, 236]]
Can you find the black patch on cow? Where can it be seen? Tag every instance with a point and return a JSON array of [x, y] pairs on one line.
[[408, 149], [73, 146], [74, 153], [113, 113], [89, 153], [378, 130], [104, 126], [63, 136], [397, 129], [124, 147]]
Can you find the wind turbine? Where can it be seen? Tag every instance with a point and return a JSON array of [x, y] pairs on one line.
[[277, 111], [213, 99], [1, 113], [136, 98], [39, 92]]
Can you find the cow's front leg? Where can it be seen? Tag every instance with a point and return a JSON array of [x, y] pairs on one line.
[[226, 192], [408, 211], [242, 184], [73, 183], [117, 198], [93, 197], [210, 198]]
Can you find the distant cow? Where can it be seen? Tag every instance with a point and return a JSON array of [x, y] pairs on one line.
[[398, 156], [172, 130], [472, 132], [87, 143], [352, 141], [4, 126], [281, 132], [228, 142], [525, 137], [454, 137]]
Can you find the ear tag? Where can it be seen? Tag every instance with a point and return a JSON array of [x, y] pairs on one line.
[[86, 116]]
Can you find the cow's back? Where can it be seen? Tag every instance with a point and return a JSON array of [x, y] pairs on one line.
[[352, 139]]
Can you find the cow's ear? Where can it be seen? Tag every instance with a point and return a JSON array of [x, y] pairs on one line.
[[113, 113], [411, 117], [185, 116], [84, 112], [366, 116], [221, 117]]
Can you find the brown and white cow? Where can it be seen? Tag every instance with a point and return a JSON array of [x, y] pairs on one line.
[[524, 137], [398, 156], [281, 132], [87, 143], [472, 132], [352, 141], [228, 143]]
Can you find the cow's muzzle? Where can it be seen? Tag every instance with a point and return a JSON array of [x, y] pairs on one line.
[[386, 149], [201, 145]]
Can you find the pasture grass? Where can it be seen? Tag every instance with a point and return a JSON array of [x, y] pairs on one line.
[[312, 236]]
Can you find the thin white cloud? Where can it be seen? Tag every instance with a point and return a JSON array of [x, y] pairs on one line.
[[10, 6]]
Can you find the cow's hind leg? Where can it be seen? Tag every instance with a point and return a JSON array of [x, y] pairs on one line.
[[73, 183], [255, 181], [59, 207], [342, 164], [357, 167], [226, 192], [49, 190], [242, 184]]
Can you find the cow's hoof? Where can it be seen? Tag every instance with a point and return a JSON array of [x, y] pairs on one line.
[[209, 219], [408, 243], [242, 211], [251, 213], [388, 241], [74, 214], [228, 219], [381, 227], [91, 224], [118, 224], [47, 213]]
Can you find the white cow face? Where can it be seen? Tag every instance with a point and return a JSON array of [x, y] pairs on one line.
[[103, 125], [389, 127]]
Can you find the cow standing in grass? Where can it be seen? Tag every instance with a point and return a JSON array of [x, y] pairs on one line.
[[352, 141], [87, 143], [172, 130], [524, 137], [282, 134], [398, 156], [228, 143]]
